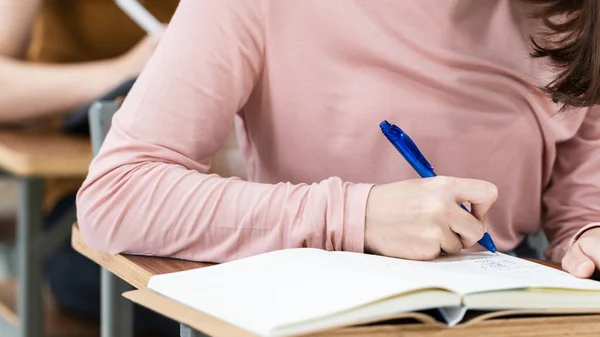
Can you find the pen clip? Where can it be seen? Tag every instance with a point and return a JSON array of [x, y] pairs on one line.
[[400, 136], [415, 150]]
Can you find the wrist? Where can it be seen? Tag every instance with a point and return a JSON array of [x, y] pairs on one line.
[[355, 206], [121, 69]]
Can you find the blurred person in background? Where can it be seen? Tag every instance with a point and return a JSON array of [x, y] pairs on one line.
[[57, 56]]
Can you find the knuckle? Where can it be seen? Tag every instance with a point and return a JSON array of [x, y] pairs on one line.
[[470, 239], [448, 214], [431, 252], [493, 191], [455, 248], [479, 230], [436, 232], [443, 215], [438, 209], [418, 210]]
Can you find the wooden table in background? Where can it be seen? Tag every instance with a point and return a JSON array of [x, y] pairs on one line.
[[44, 154], [31, 156], [137, 270]]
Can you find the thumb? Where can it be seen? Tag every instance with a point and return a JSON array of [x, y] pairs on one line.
[[577, 263]]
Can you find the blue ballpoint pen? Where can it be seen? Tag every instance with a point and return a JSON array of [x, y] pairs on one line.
[[413, 156]]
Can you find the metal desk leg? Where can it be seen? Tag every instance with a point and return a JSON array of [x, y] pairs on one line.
[[29, 260], [117, 311], [186, 331]]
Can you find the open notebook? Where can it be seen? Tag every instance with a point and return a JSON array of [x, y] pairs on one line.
[[297, 291]]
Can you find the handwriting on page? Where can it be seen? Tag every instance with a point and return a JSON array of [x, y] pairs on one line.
[[489, 262], [487, 271]]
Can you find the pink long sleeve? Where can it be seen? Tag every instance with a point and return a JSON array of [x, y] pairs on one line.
[[573, 200], [148, 192], [306, 84]]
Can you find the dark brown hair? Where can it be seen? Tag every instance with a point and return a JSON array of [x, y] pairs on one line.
[[572, 43]]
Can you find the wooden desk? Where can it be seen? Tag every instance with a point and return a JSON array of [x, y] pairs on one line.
[[32, 156], [137, 270], [44, 153]]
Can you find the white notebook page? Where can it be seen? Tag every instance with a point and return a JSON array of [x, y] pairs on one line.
[[280, 288]]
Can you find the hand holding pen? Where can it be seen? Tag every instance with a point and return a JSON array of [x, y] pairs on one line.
[[421, 218]]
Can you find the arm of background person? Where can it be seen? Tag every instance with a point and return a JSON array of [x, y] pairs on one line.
[[31, 90]]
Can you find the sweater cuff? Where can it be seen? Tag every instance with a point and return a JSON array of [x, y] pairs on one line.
[[355, 207], [581, 231]]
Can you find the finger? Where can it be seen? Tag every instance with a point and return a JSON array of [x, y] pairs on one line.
[[577, 263], [468, 228], [450, 242], [417, 248], [480, 194]]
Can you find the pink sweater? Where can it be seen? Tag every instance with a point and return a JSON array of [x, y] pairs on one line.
[[306, 84]]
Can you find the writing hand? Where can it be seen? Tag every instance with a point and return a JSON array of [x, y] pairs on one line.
[[419, 219]]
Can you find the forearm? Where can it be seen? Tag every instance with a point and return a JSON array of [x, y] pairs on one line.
[[158, 208], [31, 90]]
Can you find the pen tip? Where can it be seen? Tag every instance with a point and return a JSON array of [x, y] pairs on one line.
[[486, 242]]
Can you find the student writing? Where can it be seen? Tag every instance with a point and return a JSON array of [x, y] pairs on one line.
[[306, 85]]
